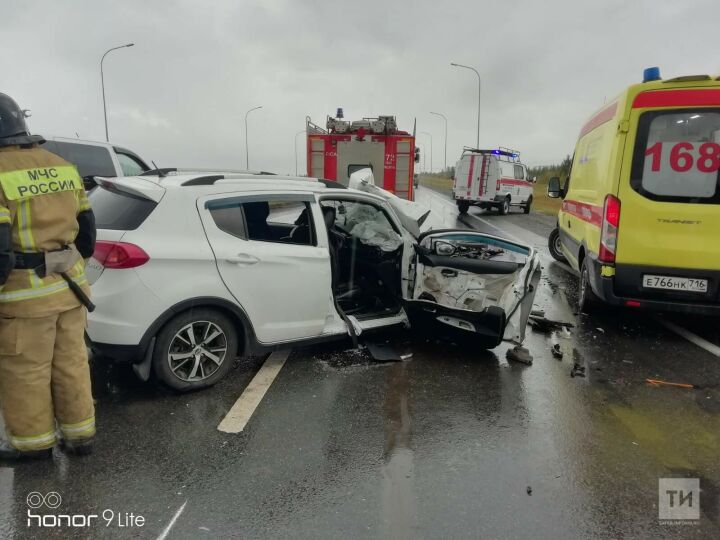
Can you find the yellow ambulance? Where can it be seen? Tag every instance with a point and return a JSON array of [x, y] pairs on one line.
[[640, 217]]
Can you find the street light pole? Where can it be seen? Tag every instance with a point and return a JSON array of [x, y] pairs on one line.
[[431, 149], [247, 146], [444, 118], [477, 143], [296, 152], [102, 84]]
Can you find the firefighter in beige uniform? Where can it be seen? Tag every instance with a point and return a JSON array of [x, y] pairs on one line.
[[46, 230]]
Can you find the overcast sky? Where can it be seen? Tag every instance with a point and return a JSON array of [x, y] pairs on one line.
[[180, 94]]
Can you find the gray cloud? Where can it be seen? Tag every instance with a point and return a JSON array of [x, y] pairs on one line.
[[179, 96]]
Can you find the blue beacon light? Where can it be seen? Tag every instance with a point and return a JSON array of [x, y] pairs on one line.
[[651, 74]]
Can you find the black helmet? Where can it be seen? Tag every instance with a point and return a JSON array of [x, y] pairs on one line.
[[13, 130]]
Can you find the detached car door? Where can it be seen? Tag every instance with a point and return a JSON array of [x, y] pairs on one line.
[[473, 283], [269, 257]]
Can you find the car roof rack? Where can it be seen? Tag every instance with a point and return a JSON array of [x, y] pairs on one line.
[[210, 180], [203, 180], [165, 171]]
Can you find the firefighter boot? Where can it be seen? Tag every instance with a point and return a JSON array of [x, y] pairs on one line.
[[10, 453], [77, 448]]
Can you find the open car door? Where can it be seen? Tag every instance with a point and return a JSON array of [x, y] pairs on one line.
[[459, 280], [473, 284]]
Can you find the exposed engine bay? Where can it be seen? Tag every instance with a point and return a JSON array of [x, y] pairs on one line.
[[459, 288]]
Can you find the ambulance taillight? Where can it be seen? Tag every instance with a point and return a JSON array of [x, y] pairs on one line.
[[609, 230]]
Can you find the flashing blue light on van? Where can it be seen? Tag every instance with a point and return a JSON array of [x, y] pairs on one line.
[[651, 74]]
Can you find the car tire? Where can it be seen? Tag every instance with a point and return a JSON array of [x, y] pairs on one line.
[[554, 246], [588, 302], [182, 362], [504, 207], [463, 207], [528, 204]]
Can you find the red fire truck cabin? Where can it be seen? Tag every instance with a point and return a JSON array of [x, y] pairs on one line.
[[345, 146]]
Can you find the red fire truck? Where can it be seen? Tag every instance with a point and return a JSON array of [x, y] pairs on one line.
[[344, 147]]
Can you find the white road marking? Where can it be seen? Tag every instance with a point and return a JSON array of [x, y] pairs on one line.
[[166, 530], [693, 338], [239, 415]]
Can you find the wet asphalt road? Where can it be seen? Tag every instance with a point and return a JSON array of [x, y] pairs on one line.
[[443, 445]]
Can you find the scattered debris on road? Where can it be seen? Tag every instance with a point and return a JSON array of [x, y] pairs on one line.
[[529, 490], [556, 352], [382, 352], [657, 382], [577, 370], [519, 354], [543, 324]]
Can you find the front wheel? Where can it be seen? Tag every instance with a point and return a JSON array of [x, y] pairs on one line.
[[555, 246], [528, 204], [195, 349], [504, 207]]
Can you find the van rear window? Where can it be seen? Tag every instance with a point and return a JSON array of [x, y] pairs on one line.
[[119, 211], [677, 156], [90, 160]]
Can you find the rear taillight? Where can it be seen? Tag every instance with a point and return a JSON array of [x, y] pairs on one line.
[[119, 255], [609, 230]]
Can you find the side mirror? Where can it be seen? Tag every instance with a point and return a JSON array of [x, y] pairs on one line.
[[554, 191], [446, 249]]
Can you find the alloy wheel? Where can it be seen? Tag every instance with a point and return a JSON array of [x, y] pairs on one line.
[[197, 351]]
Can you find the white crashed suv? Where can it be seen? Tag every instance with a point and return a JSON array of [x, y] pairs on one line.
[[192, 270]]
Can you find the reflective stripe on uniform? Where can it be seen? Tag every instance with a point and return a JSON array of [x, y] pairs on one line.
[[83, 203], [26, 183], [35, 281], [39, 442], [27, 241], [4, 216], [44, 290], [80, 430]]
